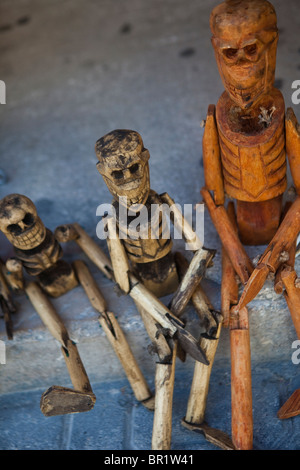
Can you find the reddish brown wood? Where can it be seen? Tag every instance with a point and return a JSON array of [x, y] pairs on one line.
[[291, 407], [229, 238], [292, 295], [258, 221], [212, 158], [229, 286], [276, 253], [241, 390]]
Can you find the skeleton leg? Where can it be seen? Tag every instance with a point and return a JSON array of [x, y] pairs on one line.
[[164, 387], [164, 382], [241, 392], [194, 418], [115, 336], [61, 400]]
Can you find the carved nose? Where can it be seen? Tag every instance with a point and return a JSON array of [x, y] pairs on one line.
[[22, 225]]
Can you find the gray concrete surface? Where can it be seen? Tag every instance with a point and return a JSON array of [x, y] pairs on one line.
[[75, 70]]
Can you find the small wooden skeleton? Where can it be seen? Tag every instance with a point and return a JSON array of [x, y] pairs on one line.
[[39, 253], [246, 138], [123, 163]]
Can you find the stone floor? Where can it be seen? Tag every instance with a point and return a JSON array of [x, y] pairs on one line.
[[75, 70]]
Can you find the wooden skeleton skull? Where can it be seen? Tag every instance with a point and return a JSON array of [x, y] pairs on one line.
[[123, 164], [20, 222], [245, 40]]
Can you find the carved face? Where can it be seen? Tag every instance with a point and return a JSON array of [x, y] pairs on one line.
[[245, 40], [123, 164], [20, 223]]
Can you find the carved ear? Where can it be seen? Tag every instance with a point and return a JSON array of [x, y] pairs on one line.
[[292, 129], [145, 155], [99, 167]]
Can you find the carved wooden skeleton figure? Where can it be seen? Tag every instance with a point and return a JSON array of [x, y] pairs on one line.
[[39, 253], [246, 138], [123, 163]]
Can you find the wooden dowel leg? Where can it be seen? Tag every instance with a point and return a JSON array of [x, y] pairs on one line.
[[115, 336], [124, 353], [164, 387], [59, 400], [241, 390], [199, 389], [76, 368], [47, 313]]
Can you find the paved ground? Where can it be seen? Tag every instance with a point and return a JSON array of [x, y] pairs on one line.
[[75, 70]]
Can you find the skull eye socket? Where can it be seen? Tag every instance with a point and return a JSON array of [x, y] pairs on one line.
[[250, 50], [14, 229], [117, 174], [28, 219], [230, 53], [134, 168]]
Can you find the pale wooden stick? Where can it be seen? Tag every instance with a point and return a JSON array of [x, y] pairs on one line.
[[164, 387], [75, 232], [115, 335], [76, 368], [190, 280], [200, 301], [118, 256], [152, 305], [47, 313], [181, 224], [199, 390], [158, 340]]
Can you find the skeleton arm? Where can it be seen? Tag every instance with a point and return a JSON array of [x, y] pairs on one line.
[[181, 224], [293, 146], [212, 158]]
